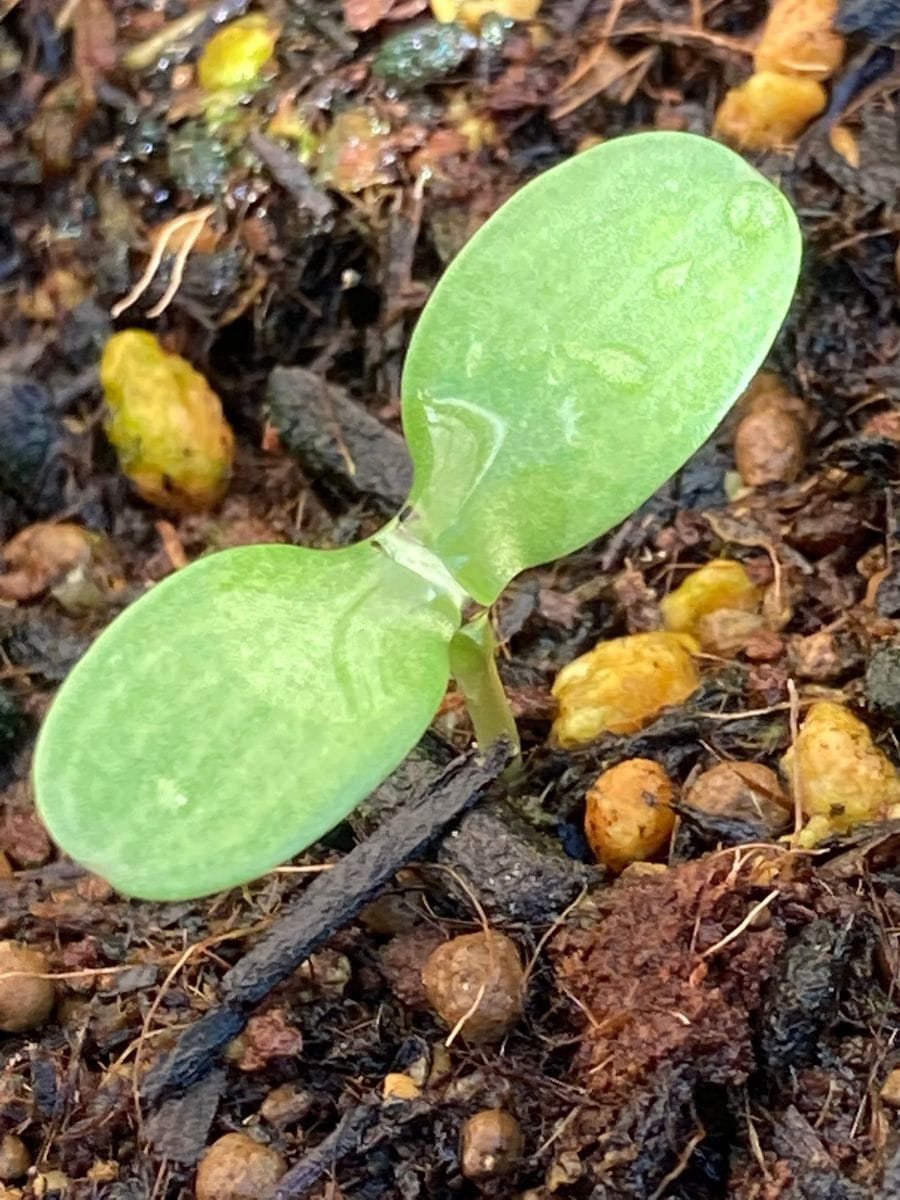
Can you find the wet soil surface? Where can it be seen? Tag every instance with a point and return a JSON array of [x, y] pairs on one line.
[[721, 1024]]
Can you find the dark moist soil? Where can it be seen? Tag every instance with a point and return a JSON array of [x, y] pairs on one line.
[[722, 1027]]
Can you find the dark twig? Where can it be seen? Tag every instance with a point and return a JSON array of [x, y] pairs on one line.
[[323, 1158], [331, 900]]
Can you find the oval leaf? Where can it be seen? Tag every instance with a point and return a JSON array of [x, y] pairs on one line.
[[238, 712], [584, 344]]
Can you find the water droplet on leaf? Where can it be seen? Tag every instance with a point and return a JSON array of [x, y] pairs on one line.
[[670, 280], [754, 209], [616, 365]]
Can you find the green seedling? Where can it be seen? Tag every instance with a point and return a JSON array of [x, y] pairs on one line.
[[579, 349]]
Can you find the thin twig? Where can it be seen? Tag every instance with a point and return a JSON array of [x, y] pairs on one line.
[[560, 920], [161, 241], [739, 929], [681, 1166], [467, 1015]]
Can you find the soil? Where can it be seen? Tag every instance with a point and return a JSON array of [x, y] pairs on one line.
[[721, 1025]]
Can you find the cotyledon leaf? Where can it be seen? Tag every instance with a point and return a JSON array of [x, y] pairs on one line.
[[584, 344], [239, 711]]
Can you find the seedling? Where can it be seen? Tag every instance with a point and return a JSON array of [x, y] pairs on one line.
[[582, 345]]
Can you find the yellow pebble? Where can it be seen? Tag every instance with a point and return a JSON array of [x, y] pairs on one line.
[[719, 584], [166, 423], [234, 57], [620, 685], [841, 775], [471, 12], [769, 111], [398, 1086], [799, 39]]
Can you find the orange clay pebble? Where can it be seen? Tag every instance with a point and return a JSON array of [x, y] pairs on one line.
[[841, 775], [476, 963], [628, 818], [621, 684], [768, 111], [719, 584], [799, 38]]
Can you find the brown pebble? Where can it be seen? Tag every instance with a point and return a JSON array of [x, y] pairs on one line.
[[25, 1000], [490, 1144], [286, 1105], [763, 645], [890, 1090], [14, 1158], [6, 871], [402, 961], [822, 657], [458, 970], [744, 791], [237, 1168], [883, 424], [24, 838], [769, 443], [324, 975]]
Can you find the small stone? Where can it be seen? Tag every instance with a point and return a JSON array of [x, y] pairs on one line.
[[890, 1091], [104, 1170], [14, 1158], [883, 681], [402, 961], [237, 1168], [268, 1036], [323, 976], [883, 425], [24, 838], [763, 645], [458, 971], [26, 1001], [727, 631], [744, 791], [722, 583], [821, 657], [769, 442], [398, 1086], [491, 1144], [286, 1105]]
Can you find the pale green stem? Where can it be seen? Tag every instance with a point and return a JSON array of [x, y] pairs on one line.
[[473, 662]]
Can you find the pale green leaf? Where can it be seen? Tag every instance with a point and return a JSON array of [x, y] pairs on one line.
[[238, 712], [584, 343]]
